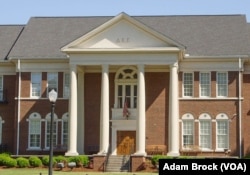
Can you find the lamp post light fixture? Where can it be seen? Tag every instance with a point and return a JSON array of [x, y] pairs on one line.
[[52, 99]]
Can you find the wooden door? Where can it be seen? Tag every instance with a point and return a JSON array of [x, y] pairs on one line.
[[125, 142]]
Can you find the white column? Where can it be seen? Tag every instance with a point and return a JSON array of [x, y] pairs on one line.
[[173, 141], [72, 142], [104, 116], [141, 114], [80, 108]]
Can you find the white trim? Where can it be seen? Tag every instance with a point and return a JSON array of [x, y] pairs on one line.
[[206, 117], [222, 117]]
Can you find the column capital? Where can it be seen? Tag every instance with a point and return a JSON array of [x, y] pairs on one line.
[[174, 65]]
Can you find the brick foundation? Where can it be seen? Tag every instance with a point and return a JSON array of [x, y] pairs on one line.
[[98, 161], [137, 163]]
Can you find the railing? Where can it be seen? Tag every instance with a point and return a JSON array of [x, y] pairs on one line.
[[107, 159]]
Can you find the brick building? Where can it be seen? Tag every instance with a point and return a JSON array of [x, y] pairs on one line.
[[184, 81]]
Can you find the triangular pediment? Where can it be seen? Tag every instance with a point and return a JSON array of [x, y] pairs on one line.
[[121, 32]]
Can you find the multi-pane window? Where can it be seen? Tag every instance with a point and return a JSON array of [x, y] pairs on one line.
[[1, 88], [52, 79], [222, 84], [36, 84], [222, 131], [34, 131], [47, 132], [205, 131], [188, 84], [126, 85], [187, 130], [66, 88], [65, 130], [205, 84]]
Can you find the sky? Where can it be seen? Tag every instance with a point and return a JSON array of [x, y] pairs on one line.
[[20, 11]]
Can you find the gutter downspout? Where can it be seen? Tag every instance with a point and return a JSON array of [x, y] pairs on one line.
[[240, 110], [18, 107]]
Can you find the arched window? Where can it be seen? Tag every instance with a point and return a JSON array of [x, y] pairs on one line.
[[187, 129], [205, 131], [126, 87], [65, 129], [47, 130], [34, 131], [222, 132]]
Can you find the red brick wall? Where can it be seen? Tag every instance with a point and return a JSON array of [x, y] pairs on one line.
[[213, 107], [157, 95], [7, 112], [246, 114], [92, 91]]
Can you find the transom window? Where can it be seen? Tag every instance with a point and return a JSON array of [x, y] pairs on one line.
[[34, 131], [205, 84], [222, 84], [126, 87], [187, 84], [187, 130], [222, 132], [205, 131]]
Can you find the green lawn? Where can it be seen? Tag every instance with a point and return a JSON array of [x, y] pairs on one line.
[[29, 171]]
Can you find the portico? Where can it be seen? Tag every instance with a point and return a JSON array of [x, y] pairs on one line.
[[142, 50]]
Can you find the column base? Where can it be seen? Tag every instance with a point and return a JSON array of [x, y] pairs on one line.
[[140, 153], [71, 153], [173, 154]]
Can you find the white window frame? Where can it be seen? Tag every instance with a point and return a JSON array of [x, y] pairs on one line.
[[123, 79], [38, 82], [55, 84], [190, 119], [66, 85], [65, 120], [34, 117], [218, 84], [208, 135], [222, 118], [1, 88], [205, 86], [189, 84], [47, 130]]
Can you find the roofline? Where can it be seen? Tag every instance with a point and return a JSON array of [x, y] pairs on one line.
[[216, 56]]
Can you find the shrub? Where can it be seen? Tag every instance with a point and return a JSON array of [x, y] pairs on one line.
[[35, 161], [79, 160], [155, 158], [10, 162], [3, 158], [45, 160], [22, 162], [59, 159]]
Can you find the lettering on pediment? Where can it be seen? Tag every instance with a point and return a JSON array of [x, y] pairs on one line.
[[123, 40]]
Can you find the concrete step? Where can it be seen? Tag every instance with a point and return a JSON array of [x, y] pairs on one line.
[[118, 164]]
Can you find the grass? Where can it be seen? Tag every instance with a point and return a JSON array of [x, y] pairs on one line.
[[29, 171]]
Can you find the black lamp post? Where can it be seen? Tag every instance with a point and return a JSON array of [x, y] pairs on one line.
[[52, 99]]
